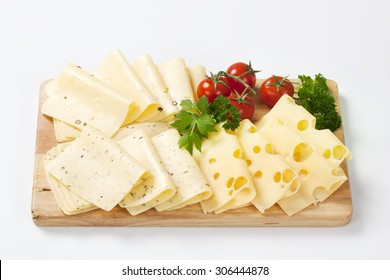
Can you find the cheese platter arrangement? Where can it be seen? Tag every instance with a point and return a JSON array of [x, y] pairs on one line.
[[145, 144]]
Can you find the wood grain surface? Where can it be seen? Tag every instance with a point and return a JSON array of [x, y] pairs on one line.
[[335, 211]]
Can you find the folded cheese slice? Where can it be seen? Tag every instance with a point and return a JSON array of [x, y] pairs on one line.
[[151, 128], [176, 77], [273, 178], [150, 76], [297, 117], [197, 74], [65, 132], [158, 187], [79, 99], [97, 169], [118, 74], [228, 174], [316, 172], [191, 185]]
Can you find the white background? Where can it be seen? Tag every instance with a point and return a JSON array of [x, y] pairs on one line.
[[347, 41]]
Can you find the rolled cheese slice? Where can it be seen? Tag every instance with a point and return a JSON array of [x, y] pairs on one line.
[[116, 72], [191, 186], [228, 174], [151, 128], [273, 178], [80, 99], [158, 187], [176, 77], [150, 76], [297, 117], [197, 74], [97, 169]]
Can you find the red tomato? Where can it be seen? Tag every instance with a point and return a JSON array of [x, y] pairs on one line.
[[212, 87], [246, 107], [273, 88], [244, 72]]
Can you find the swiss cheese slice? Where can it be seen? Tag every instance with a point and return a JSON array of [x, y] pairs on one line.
[[97, 169], [325, 142], [80, 99], [197, 74], [272, 176], [151, 128], [191, 186], [228, 174], [316, 172], [118, 74], [158, 187], [176, 77], [150, 76]]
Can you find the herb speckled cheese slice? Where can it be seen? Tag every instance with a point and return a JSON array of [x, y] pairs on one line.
[[97, 169], [272, 176], [79, 99], [118, 74], [191, 185], [229, 177], [152, 128], [158, 187]]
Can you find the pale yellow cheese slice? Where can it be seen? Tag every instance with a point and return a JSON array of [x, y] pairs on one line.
[[65, 132], [80, 99], [158, 187], [152, 128], [118, 74], [228, 174], [97, 169], [191, 185], [325, 142], [197, 74], [176, 77], [315, 171], [273, 177], [150, 76]]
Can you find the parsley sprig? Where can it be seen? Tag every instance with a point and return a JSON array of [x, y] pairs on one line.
[[196, 120]]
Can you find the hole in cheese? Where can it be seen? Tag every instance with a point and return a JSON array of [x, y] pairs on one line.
[[289, 100], [240, 181], [294, 186], [277, 123], [256, 149], [337, 172], [237, 153], [326, 154], [268, 149], [231, 192], [212, 160], [252, 129], [229, 183], [216, 176], [277, 177], [339, 151], [288, 175], [303, 125], [303, 173], [248, 162], [258, 174], [302, 152]]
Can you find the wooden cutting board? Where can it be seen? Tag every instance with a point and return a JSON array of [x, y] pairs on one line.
[[335, 211]]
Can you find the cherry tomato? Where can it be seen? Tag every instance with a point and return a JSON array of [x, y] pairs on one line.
[[245, 73], [212, 87], [273, 88], [246, 107]]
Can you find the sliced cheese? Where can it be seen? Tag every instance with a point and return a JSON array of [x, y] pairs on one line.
[[191, 185], [152, 128], [273, 177], [197, 74], [80, 99], [65, 132], [50, 87], [118, 74], [176, 77], [150, 76], [97, 169], [158, 187], [315, 171], [222, 164], [325, 142]]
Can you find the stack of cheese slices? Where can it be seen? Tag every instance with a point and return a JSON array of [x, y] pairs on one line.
[[117, 147]]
